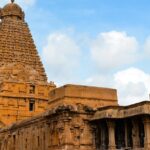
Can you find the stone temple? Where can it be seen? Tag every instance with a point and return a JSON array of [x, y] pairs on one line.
[[37, 115]]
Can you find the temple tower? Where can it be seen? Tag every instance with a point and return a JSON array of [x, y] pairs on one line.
[[24, 89], [17, 48]]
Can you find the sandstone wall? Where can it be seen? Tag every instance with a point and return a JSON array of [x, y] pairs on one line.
[[63, 128], [94, 97], [22, 100]]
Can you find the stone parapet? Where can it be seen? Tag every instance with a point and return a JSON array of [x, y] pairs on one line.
[[119, 112], [76, 94]]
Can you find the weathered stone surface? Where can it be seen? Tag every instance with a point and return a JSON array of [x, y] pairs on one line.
[[119, 112], [17, 48], [15, 100], [60, 128], [77, 95]]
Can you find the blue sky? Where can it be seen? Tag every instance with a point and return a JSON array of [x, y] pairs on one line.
[[103, 43], [93, 16]]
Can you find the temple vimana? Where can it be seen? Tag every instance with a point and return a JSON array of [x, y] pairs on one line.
[[37, 115]]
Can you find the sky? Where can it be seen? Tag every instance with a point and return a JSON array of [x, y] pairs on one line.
[[104, 43]]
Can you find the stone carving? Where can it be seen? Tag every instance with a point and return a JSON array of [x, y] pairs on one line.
[[18, 73], [16, 43], [2, 124], [13, 10]]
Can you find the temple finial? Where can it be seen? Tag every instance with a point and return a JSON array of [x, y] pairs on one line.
[[12, 1]]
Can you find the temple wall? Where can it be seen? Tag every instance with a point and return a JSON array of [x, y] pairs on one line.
[[77, 94], [59, 129], [20, 101]]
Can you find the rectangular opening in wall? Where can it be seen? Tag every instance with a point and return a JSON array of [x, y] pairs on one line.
[[32, 89], [32, 105]]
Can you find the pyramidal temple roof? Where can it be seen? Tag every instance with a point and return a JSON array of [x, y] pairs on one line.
[[19, 59]]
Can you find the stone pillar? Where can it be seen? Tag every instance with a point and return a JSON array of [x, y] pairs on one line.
[[135, 134], [126, 134], [17, 142], [146, 121], [66, 136], [47, 136], [86, 132], [111, 134]]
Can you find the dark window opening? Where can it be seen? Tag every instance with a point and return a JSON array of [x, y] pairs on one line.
[[14, 139], [32, 89], [31, 105]]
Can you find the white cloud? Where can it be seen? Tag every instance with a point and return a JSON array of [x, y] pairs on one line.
[[132, 84], [61, 57], [114, 49], [147, 46], [101, 80]]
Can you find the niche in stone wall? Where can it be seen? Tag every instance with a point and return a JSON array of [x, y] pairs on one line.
[[31, 105]]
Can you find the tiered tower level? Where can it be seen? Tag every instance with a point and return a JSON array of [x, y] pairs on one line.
[[23, 82], [17, 48]]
